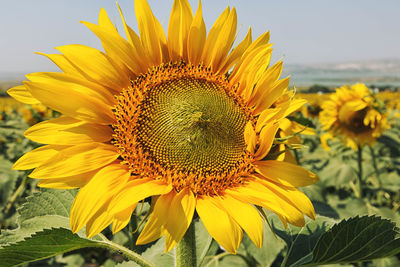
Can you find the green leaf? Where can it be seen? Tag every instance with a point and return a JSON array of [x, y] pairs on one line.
[[43, 210], [203, 242], [337, 173], [386, 262], [386, 213], [156, 253], [302, 120], [72, 260], [357, 239], [42, 245], [349, 207], [270, 249], [315, 192], [8, 179], [323, 209], [301, 241], [227, 260], [391, 181]]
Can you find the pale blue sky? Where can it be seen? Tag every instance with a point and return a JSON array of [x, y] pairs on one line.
[[303, 31]]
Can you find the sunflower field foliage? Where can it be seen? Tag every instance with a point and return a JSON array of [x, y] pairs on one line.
[[190, 149]]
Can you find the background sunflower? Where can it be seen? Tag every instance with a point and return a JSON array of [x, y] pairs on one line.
[[354, 115]]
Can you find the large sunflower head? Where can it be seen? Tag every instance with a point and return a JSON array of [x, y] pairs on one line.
[[354, 115], [183, 119]]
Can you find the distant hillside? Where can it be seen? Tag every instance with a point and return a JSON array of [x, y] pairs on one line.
[[12, 76], [371, 72], [5, 85], [383, 65], [10, 79]]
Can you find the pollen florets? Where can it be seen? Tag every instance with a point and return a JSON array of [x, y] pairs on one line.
[[184, 124]]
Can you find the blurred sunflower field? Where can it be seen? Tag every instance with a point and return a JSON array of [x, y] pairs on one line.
[[358, 193]]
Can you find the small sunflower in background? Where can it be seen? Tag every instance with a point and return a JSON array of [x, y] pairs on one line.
[[181, 118], [36, 113], [314, 101], [354, 115]]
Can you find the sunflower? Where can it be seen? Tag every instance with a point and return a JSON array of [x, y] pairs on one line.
[[313, 107], [185, 120], [354, 115]]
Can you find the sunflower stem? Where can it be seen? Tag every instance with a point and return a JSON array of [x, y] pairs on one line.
[[185, 250], [360, 173], [130, 233], [129, 254], [377, 173], [16, 194], [296, 156]]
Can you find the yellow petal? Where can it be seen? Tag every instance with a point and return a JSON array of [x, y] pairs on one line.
[[256, 192], [105, 22], [98, 222], [136, 44], [289, 158], [178, 29], [282, 156], [135, 191], [117, 48], [250, 137], [292, 197], [270, 96], [75, 160], [246, 216], [155, 226], [121, 219], [21, 94], [95, 66], [63, 64], [213, 36], [285, 124], [71, 82], [96, 193], [69, 182], [267, 136], [266, 117], [292, 127], [224, 40], [261, 41], [245, 65], [348, 109], [219, 224], [236, 53], [294, 105], [151, 31], [246, 73], [266, 82], [68, 131], [196, 37], [179, 217], [108, 30], [37, 157], [71, 102], [285, 173]]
